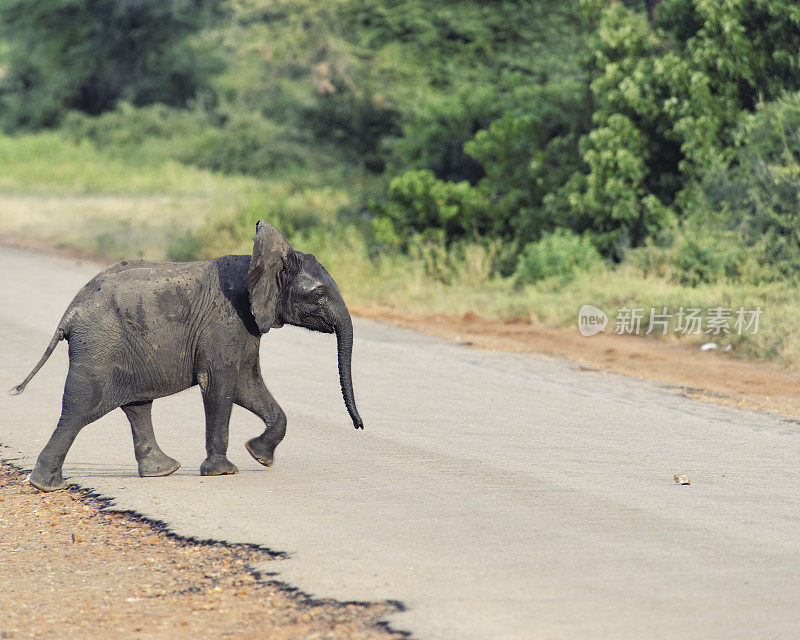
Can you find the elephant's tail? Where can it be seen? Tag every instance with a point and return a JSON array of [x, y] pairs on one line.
[[57, 337]]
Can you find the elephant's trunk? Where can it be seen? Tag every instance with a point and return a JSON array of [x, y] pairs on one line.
[[344, 344]]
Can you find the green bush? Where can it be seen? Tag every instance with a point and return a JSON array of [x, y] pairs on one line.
[[560, 255], [128, 126], [231, 143], [707, 258], [420, 203], [702, 249], [246, 144], [668, 94]]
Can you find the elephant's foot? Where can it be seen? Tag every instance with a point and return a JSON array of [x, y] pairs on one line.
[[46, 481], [217, 466], [263, 452], [156, 465]]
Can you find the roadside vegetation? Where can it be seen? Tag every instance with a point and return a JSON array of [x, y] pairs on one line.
[[513, 159]]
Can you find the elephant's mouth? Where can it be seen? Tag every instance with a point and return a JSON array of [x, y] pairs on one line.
[[324, 327]]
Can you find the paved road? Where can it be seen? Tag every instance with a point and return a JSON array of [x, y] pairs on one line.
[[496, 495]]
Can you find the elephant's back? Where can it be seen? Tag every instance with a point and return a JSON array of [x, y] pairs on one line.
[[143, 291], [138, 275], [138, 271]]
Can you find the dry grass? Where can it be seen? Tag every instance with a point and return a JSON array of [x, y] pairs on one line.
[[74, 195], [109, 225]]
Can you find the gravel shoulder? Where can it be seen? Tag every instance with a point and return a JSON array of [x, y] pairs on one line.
[[72, 568]]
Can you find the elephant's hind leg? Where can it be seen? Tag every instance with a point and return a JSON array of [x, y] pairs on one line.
[[254, 396], [47, 474], [151, 459], [83, 403], [218, 402]]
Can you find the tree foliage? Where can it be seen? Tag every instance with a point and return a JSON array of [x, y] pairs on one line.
[[537, 128], [88, 54], [669, 96]]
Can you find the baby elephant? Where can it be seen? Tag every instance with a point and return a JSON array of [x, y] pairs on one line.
[[143, 330]]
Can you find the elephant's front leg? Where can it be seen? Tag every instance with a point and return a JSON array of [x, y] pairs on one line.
[[218, 393], [252, 394]]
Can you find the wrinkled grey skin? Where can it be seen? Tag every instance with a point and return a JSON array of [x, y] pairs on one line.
[[143, 330]]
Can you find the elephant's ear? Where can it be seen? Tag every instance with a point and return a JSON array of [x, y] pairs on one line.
[[270, 250]]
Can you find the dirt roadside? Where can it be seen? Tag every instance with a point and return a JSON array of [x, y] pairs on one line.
[[71, 569]]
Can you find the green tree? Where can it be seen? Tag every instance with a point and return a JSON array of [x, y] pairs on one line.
[[528, 154], [88, 54], [668, 97], [759, 192]]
